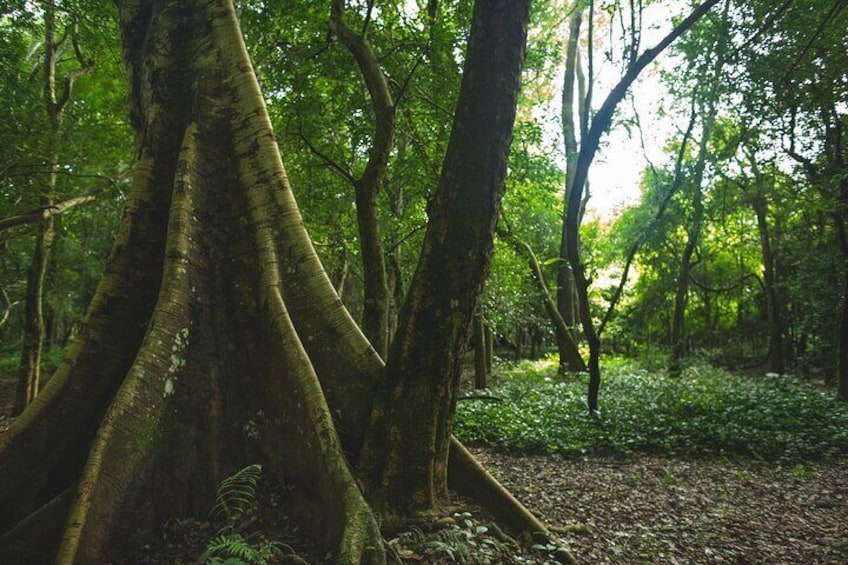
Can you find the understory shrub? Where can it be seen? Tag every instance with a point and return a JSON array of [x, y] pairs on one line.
[[705, 411]]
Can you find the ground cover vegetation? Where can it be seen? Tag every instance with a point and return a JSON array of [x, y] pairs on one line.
[[293, 236], [705, 412]]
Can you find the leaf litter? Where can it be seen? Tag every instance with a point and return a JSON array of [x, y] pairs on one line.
[[660, 509]]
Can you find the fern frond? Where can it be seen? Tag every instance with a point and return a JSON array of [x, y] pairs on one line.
[[235, 547], [237, 493]]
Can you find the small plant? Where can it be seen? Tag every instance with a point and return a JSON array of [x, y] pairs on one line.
[[237, 493], [800, 472], [234, 500], [234, 549]]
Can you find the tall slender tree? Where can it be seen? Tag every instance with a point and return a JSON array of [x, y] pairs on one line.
[[56, 99], [589, 144]]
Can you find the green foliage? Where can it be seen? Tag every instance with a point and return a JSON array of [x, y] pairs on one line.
[[705, 412], [234, 549], [462, 538], [10, 360], [235, 499], [237, 493]]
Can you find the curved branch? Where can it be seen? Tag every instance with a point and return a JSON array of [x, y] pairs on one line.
[[333, 165], [45, 212], [9, 306]]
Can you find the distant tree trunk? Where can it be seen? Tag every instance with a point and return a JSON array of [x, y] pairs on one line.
[[678, 319], [29, 373], [340, 274], [681, 295], [535, 341], [481, 375], [569, 356], [842, 236], [489, 340], [842, 387], [837, 141], [520, 334], [29, 377], [678, 341], [776, 361]]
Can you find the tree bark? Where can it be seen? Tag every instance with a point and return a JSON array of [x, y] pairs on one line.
[[566, 293], [176, 360], [416, 402]]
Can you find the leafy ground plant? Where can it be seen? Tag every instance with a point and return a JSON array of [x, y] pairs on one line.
[[463, 538], [706, 411]]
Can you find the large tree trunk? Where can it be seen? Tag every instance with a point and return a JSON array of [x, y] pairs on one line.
[[416, 402], [215, 339], [144, 416]]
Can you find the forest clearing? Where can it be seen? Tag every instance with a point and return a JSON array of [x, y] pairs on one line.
[[472, 281]]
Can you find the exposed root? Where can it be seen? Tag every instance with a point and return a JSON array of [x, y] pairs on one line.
[[467, 476], [127, 433], [25, 542]]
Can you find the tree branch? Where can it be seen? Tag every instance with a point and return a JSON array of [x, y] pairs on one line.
[[8, 308], [333, 165], [44, 213]]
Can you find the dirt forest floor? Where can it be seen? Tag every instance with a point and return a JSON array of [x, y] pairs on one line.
[[654, 509]]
